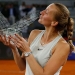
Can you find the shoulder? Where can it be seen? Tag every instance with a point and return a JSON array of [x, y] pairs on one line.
[[33, 35], [61, 51], [62, 46]]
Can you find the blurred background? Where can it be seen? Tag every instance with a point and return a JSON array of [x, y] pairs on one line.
[[14, 10]]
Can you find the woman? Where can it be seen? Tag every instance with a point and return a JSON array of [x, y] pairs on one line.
[[46, 51]]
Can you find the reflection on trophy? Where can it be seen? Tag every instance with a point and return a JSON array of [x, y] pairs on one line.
[[7, 29]]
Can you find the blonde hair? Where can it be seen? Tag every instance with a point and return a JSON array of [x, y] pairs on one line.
[[64, 21]]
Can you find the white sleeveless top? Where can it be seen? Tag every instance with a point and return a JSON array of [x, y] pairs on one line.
[[42, 53]]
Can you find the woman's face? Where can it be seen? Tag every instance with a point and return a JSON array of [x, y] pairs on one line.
[[47, 15]]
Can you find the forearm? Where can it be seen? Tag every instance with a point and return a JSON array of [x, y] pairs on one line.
[[35, 67], [19, 61]]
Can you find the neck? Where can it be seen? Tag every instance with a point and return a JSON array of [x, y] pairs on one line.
[[48, 36]]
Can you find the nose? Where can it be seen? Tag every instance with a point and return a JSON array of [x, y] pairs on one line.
[[42, 12]]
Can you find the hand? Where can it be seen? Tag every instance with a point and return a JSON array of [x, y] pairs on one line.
[[20, 42], [6, 41]]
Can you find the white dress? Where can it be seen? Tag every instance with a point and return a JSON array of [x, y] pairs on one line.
[[42, 53]]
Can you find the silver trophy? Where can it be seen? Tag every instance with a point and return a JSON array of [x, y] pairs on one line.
[[7, 29]]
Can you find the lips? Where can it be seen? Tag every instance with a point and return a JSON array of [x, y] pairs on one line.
[[40, 16]]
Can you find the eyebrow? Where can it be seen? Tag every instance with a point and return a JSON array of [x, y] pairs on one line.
[[46, 10]]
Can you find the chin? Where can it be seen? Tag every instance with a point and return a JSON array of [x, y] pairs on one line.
[[40, 21]]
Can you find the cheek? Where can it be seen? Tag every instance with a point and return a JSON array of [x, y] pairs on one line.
[[45, 20]]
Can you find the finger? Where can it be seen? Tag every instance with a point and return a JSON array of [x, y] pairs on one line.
[[18, 45], [20, 39], [15, 39], [6, 40], [17, 42], [2, 38], [18, 36]]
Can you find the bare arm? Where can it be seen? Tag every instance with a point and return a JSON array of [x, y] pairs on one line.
[[54, 63], [21, 60], [57, 59], [18, 59]]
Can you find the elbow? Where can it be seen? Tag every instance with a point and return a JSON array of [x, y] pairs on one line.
[[43, 72], [22, 69]]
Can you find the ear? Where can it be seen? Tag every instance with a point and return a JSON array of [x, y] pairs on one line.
[[54, 23]]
